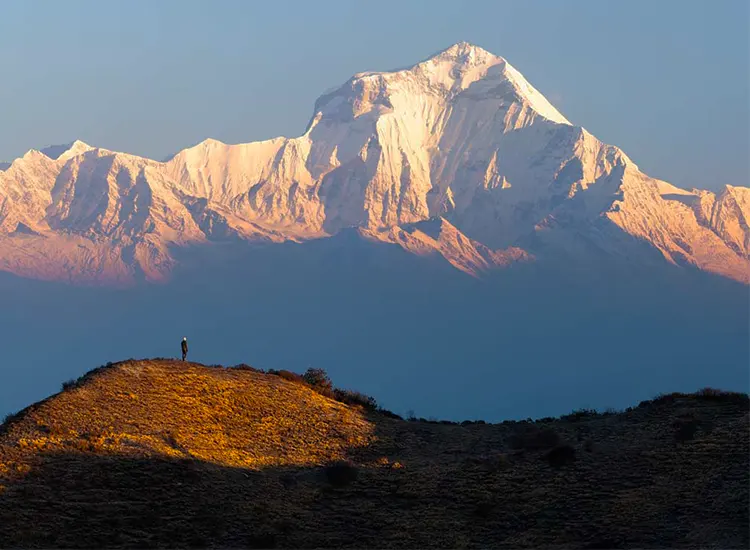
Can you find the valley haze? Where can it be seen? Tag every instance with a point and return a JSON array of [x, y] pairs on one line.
[[441, 237]]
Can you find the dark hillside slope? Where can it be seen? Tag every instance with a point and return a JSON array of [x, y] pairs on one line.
[[162, 453]]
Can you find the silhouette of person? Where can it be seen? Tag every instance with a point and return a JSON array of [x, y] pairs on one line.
[[184, 348]]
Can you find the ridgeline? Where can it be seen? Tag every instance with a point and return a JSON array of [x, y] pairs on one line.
[[171, 454]]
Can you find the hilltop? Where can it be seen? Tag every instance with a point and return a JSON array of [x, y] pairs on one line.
[[163, 453]]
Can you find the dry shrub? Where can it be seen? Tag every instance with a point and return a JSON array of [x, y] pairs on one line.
[[351, 397], [560, 456], [9, 419], [532, 439], [708, 394], [580, 414], [492, 462], [686, 429], [245, 366], [288, 375], [318, 379], [341, 473], [389, 414], [712, 393]]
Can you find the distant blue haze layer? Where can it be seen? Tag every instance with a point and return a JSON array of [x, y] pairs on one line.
[[414, 332]]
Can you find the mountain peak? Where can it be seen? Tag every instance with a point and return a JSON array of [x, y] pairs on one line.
[[447, 72], [465, 53], [56, 151], [463, 64], [459, 59]]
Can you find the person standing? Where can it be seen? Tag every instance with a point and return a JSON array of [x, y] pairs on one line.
[[184, 348]]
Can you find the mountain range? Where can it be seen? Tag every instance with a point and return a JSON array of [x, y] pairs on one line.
[[439, 236], [457, 157]]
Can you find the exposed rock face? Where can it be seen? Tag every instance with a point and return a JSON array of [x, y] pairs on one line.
[[461, 139]]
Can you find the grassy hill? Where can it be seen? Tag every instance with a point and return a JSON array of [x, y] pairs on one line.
[[164, 453]]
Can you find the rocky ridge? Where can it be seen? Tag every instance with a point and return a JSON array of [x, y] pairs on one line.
[[460, 141]]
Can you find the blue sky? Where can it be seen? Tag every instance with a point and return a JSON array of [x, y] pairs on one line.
[[665, 80]]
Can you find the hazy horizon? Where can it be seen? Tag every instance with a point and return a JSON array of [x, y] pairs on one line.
[[413, 332]]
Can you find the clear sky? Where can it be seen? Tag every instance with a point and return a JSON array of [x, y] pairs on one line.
[[666, 80]]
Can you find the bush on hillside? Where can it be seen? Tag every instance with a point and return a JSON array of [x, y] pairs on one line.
[[9, 418], [712, 393], [532, 439], [288, 375], [491, 462], [579, 414], [708, 394], [742, 399], [389, 414], [318, 379], [245, 366], [341, 473], [561, 455], [685, 429], [351, 397]]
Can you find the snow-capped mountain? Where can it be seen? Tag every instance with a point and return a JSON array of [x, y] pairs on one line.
[[458, 155]]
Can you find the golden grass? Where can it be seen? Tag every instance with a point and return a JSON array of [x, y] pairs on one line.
[[168, 454], [228, 417]]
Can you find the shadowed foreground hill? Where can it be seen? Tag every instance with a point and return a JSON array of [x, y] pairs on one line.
[[162, 453]]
